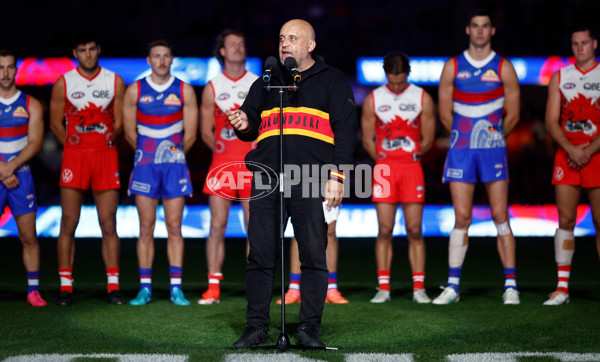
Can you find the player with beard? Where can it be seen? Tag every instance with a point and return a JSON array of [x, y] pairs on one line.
[[21, 135], [91, 99]]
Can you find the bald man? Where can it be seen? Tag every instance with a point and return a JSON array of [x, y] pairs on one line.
[[320, 129]]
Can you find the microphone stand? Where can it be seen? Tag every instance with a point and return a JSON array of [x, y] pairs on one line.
[[283, 342]]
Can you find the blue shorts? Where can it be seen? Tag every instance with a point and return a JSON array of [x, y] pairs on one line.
[[160, 181], [21, 199], [465, 165]]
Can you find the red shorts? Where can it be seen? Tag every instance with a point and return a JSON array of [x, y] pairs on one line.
[[405, 182], [98, 168], [230, 180], [587, 177]]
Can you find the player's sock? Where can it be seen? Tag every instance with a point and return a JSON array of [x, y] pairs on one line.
[[175, 275], [33, 281], [295, 281], [332, 281], [146, 278], [564, 248], [383, 277], [510, 280], [112, 274], [418, 281], [454, 278], [214, 282], [564, 272], [66, 279]]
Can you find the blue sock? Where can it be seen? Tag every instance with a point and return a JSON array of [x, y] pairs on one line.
[[295, 281], [510, 280], [146, 278], [332, 284], [33, 281], [175, 275], [454, 278]]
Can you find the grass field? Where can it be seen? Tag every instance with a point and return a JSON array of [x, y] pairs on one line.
[[478, 324]]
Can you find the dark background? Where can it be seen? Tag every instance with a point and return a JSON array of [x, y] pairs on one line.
[[345, 30]]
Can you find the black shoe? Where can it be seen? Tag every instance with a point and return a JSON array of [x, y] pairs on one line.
[[309, 337], [115, 297], [252, 337], [64, 298]]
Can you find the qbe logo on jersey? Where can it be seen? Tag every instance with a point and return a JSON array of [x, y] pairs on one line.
[[234, 176]]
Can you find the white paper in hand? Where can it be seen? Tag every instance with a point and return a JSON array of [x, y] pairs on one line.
[[332, 214]]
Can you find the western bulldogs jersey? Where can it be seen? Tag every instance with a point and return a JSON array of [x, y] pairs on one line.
[[398, 125], [580, 115], [229, 94], [478, 103], [89, 110], [159, 122], [14, 127]]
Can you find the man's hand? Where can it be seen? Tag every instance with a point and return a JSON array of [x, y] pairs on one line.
[[5, 170], [11, 182], [334, 193], [578, 155], [238, 120]]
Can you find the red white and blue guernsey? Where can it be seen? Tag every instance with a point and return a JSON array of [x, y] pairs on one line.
[[160, 169], [477, 146], [398, 125], [89, 110], [14, 136]]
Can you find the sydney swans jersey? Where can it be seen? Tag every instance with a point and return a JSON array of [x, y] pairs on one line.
[[229, 94], [580, 114], [89, 110], [14, 126], [478, 103], [398, 125], [159, 122]]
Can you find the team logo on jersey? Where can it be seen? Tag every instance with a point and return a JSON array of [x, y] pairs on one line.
[[67, 175], [146, 99], [223, 97], [463, 75], [20, 112], [586, 126], [384, 108], [77, 95], [241, 95], [172, 100], [490, 76], [569, 85], [558, 173]]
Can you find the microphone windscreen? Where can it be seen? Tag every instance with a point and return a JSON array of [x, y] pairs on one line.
[[270, 63], [290, 63]]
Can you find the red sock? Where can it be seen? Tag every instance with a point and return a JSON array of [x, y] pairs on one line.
[[112, 274], [564, 273], [383, 277], [214, 281], [418, 281], [66, 279]]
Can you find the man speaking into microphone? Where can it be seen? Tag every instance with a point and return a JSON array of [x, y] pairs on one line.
[[320, 127]]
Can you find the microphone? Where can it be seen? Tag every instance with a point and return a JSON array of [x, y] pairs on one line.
[[270, 63], [290, 64]]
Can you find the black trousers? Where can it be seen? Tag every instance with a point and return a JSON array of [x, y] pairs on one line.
[[310, 230]]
